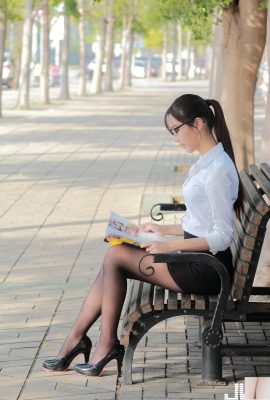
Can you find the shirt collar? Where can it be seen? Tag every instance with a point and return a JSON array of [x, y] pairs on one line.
[[207, 158]]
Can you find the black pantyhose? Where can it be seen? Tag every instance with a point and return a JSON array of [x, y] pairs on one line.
[[107, 295]]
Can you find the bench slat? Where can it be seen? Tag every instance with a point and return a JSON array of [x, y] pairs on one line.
[[147, 298], [248, 226], [250, 213], [265, 168], [172, 300], [159, 298], [239, 280], [135, 310], [247, 240], [242, 267], [254, 196], [199, 301], [237, 293], [242, 253], [261, 179], [185, 301]]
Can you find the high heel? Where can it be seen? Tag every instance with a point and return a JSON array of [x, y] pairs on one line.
[[116, 353], [61, 364]]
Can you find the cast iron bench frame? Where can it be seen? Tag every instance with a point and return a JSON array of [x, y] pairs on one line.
[[146, 305]]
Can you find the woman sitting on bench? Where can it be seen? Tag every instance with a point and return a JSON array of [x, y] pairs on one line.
[[210, 192]]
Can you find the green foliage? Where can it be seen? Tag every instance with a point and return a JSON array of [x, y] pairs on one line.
[[70, 7], [15, 10]]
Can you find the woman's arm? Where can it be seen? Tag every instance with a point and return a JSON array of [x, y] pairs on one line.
[[174, 229], [196, 244]]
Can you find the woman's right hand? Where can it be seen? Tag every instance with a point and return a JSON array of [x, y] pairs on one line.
[[151, 227]]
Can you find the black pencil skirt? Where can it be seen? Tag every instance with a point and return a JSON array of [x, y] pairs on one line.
[[200, 278]]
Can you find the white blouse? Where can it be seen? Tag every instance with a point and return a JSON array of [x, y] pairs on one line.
[[209, 193]]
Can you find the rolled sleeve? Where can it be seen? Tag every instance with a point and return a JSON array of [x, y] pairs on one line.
[[221, 200]]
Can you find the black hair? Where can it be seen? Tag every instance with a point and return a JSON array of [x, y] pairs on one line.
[[190, 106]]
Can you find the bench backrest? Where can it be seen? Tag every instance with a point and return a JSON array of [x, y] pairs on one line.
[[249, 231]]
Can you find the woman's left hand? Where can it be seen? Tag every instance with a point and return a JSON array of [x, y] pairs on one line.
[[157, 247]]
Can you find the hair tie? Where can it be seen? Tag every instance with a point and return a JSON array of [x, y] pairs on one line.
[[211, 108]]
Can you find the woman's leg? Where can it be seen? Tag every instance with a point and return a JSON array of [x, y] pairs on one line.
[[89, 313], [122, 262]]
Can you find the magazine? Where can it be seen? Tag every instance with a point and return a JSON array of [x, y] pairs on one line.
[[120, 230]]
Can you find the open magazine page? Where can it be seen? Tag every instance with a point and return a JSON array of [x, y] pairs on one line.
[[120, 230]]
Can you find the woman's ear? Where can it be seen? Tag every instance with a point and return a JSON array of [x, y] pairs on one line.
[[198, 123]]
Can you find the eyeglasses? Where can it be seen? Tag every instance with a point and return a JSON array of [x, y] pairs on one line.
[[174, 131]]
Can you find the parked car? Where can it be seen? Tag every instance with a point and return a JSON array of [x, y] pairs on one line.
[[138, 69], [7, 73]]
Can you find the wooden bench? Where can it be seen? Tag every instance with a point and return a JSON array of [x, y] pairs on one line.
[[148, 304]]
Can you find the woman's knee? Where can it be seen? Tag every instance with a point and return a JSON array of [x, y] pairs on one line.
[[115, 255]]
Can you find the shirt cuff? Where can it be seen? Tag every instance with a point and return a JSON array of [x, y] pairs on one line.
[[217, 243]]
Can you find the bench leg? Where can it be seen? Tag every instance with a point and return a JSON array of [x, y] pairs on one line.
[[140, 328], [127, 365], [212, 357], [211, 364]]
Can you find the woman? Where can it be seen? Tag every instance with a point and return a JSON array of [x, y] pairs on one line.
[[210, 193]]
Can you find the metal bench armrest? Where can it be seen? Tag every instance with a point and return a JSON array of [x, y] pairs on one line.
[[166, 207], [213, 262]]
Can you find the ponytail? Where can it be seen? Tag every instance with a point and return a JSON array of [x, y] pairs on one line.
[[222, 135]]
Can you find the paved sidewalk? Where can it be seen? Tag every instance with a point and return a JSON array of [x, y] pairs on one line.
[[62, 171]]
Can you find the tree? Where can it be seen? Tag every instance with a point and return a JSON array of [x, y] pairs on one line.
[[109, 52], [64, 65], [244, 26], [82, 80], [3, 29], [45, 61], [24, 81], [265, 143], [97, 78]]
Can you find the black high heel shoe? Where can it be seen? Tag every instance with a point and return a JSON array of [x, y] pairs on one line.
[[61, 364], [116, 353]]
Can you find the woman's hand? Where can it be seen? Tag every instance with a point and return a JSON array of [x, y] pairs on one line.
[[157, 247], [151, 227]]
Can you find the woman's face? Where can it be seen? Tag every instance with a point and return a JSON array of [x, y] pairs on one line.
[[188, 137]]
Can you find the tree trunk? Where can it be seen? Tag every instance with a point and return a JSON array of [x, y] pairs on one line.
[[109, 58], [17, 52], [3, 30], [97, 78], [164, 52], [64, 78], [244, 41], [45, 61], [174, 51], [265, 143], [24, 81], [179, 37], [124, 51], [149, 63], [188, 46], [82, 79], [216, 71], [128, 76]]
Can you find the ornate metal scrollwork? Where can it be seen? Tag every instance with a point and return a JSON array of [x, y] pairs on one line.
[[159, 216], [148, 268]]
